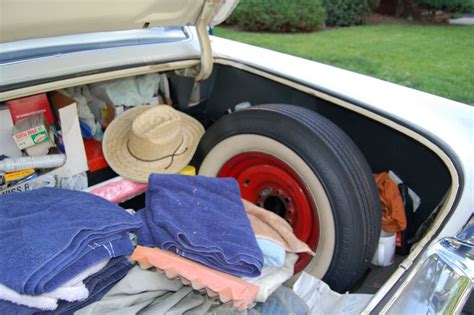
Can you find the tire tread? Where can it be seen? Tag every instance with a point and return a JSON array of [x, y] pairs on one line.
[[349, 263], [352, 161]]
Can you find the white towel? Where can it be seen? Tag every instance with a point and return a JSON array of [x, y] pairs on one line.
[[72, 290], [41, 302], [272, 278]]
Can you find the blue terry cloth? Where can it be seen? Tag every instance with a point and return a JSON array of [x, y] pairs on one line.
[[52, 234], [119, 247], [203, 219], [143, 234], [7, 307], [98, 285], [273, 253]]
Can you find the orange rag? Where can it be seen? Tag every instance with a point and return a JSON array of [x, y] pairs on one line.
[[393, 215], [229, 288]]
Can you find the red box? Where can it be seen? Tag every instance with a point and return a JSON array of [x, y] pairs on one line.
[[27, 106], [95, 157]]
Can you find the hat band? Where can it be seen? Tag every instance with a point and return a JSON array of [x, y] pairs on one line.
[[172, 155]]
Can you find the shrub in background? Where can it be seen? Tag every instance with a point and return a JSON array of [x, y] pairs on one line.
[[346, 12], [279, 15], [458, 6]]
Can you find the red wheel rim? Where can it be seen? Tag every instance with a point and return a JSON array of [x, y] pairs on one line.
[[270, 183]]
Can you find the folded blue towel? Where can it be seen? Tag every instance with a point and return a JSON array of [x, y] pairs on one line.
[[144, 236], [7, 307], [203, 219], [119, 247], [273, 254], [98, 285], [53, 234]]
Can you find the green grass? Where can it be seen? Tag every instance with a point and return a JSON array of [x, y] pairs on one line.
[[434, 59]]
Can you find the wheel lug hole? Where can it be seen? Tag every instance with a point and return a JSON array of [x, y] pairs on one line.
[[246, 182], [287, 200]]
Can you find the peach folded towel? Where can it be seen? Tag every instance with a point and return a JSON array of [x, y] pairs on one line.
[[229, 288], [269, 225]]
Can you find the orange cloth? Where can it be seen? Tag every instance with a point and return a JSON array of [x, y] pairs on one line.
[[229, 288], [393, 215]]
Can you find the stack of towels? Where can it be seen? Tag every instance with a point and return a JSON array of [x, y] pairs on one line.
[[58, 245], [65, 251], [202, 219], [205, 220]]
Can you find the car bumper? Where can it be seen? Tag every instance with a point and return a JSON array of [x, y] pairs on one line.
[[441, 282]]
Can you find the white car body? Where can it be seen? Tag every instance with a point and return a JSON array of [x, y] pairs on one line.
[[442, 125], [446, 127]]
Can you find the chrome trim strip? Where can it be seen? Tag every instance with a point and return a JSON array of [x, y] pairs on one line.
[[103, 76], [456, 253]]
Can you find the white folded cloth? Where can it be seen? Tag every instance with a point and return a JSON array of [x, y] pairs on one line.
[[72, 290], [272, 278]]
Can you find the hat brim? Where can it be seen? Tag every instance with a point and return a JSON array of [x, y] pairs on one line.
[[119, 158]]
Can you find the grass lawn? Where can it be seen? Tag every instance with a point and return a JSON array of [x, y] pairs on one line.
[[435, 59]]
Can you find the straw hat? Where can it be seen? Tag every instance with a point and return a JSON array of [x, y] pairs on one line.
[[150, 139]]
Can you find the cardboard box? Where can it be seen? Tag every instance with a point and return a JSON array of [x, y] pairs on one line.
[[95, 156], [8, 146], [72, 173], [31, 105], [59, 100], [30, 130], [73, 144]]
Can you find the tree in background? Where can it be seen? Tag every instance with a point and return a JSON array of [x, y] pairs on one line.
[[373, 4]]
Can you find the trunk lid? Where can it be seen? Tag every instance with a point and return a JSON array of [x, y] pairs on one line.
[[27, 19]]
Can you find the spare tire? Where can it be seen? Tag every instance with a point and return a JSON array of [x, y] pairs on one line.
[[293, 161]]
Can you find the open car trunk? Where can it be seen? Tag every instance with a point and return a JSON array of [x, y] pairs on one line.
[[305, 148], [383, 147]]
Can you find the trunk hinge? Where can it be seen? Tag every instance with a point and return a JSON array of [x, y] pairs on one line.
[[208, 11]]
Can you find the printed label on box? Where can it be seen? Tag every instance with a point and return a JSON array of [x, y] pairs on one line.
[[31, 137]]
